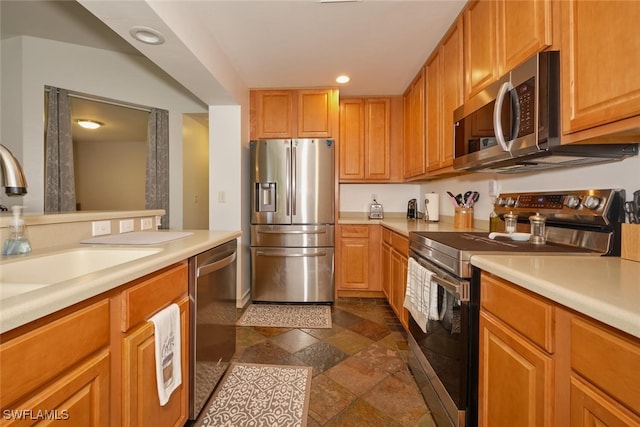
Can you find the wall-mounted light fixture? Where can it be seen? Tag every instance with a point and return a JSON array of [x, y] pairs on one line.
[[89, 124]]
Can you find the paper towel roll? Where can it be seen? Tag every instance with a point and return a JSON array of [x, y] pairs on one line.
[[433, 207]]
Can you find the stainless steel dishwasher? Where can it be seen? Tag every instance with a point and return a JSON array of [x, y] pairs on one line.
[[212, 291]]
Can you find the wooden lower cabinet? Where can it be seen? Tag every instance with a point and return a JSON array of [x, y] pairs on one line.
[[542, 364], [93, 364], [358, 251], [58, 370], [515, 386], [141, 406], [395, 255]]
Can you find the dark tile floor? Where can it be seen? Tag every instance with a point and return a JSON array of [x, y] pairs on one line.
[[360, 376]]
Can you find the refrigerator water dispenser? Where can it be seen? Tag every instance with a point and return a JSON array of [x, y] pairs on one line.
[[265, 196]]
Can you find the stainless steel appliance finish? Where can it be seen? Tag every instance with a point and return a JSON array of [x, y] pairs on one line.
[[212, 293], [292, 220], [444, 361], [514, 124]]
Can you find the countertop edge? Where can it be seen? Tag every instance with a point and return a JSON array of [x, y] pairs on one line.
[[21, 309], [614, 307]]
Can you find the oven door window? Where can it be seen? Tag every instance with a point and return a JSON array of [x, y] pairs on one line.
[[445, 344]]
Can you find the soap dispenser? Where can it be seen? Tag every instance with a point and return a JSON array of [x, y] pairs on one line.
[[17, 243]]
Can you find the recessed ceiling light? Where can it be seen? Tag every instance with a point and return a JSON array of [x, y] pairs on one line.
[[89, 124], [343, 79], [147, 35]]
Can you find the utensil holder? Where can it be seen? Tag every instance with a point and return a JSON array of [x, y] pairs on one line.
[[463, 218]]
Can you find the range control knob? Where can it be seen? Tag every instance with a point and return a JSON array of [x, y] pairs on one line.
[[572, 202], [592, 202]]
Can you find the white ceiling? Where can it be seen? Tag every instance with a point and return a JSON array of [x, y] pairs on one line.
[[381, 44]]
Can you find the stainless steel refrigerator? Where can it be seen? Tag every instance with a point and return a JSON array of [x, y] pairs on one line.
[[292, 220]]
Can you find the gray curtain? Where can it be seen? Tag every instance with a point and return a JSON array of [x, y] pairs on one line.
[[157, 176], [60, 188]]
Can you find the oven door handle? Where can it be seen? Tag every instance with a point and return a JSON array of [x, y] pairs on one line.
[[450, 287]]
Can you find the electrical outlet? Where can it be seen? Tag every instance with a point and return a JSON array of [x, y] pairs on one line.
[[99, 228], [146, 223], [494, 188], [126, 225], [374, 197], [222, 197]]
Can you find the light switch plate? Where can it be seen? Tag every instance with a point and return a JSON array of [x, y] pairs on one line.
[[126, 225], [100, 228]]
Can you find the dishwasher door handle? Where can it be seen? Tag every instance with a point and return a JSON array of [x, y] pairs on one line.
[[293, 255], [215, 266]]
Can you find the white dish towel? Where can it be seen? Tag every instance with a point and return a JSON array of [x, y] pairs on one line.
[[421, 295], [167, 351]]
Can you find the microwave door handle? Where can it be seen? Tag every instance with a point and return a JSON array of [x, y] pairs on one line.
[[497, 119]]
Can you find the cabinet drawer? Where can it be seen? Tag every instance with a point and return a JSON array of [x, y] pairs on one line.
[[386, 235], [523, 311], [354, 231], [33, 359], [400, 243], [607, 359], [147, 297]]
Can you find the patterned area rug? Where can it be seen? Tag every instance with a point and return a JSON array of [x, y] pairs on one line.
[[260, 395], [287, 316]]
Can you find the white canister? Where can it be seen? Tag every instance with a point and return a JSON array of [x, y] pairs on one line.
[[431, 207]]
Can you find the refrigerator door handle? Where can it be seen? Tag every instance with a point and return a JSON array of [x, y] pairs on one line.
[[288, 178], [322, 231], [294, 164], [285, 254]]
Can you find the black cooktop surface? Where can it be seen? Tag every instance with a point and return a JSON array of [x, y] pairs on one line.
[[469, 242]]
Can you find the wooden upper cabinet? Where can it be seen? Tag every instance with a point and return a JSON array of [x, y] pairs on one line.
[[414, 154], [272, 113], [365, 130], [499, 35], [317, 113], [600, 57], [444, 81], [295, 113], [480, 45], [352, 146], [522, 38]]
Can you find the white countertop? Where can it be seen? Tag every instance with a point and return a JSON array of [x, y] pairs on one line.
[[604, 288], [26, 307]]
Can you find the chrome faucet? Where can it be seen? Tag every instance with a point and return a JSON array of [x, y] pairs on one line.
[[13, 178], [12, 174]]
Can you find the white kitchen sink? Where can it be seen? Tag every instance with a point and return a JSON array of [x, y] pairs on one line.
[[23, 275]]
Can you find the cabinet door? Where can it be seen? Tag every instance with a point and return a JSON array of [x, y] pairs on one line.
[[481, 56], [386, 270], [433, 111], [377, 137], [317, 113], [522, 38], [452, 85], [354, 262], [140, 402], [600, 63], [352, 134], [591, 407], [414, 139], [273, 113], [515, 386]]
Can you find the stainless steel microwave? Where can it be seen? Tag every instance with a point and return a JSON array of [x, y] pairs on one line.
[[514, 124]]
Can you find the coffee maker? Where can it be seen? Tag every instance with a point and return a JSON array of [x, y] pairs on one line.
[[412, 209]]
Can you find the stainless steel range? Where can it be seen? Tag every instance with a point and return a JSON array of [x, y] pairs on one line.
[[444, 358]]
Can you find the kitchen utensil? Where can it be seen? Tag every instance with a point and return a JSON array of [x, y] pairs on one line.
[[470, 198], [459, 200], [636, 200], [453, 200], [518, 237], [632, 212]]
